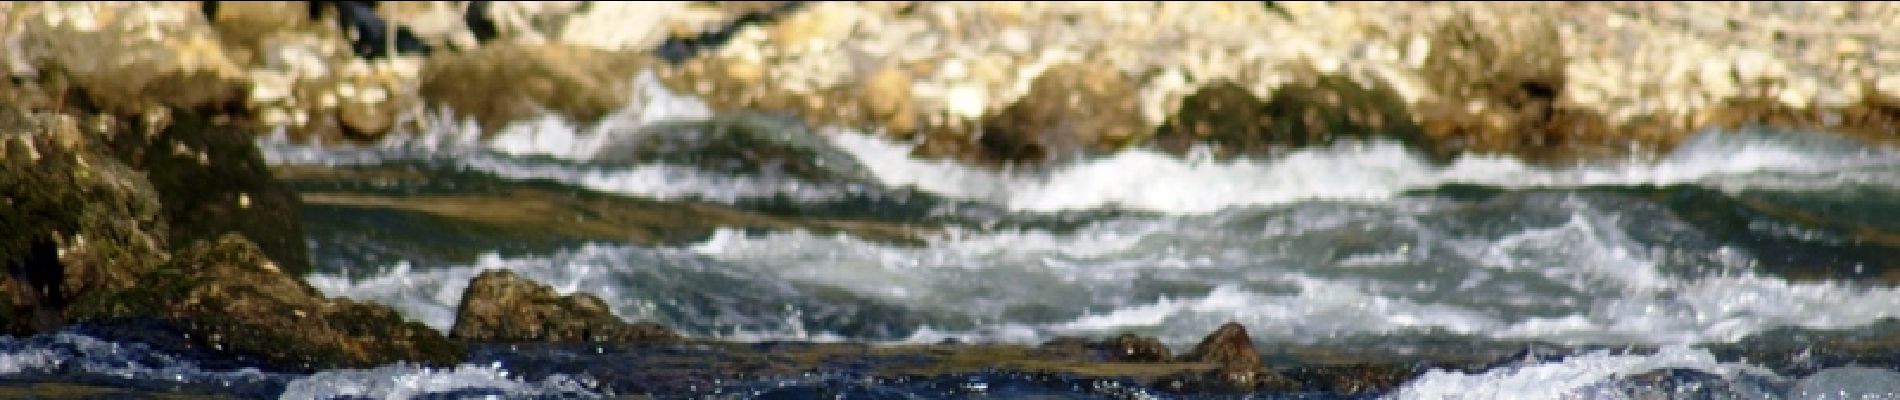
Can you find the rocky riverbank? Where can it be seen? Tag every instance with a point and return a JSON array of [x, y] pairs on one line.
[[137, 208], [1036, 82]]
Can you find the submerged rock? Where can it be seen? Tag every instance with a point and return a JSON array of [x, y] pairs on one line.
[[740, 144], [502, 307]]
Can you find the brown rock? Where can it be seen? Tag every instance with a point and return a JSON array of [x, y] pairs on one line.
[[502, 307], [1230, 347], [212, 180], [76, 222], [488, 84], [233, 299], [365, 120], [1069, 108], [1511, 68], [1299, 114], [1129, 347]]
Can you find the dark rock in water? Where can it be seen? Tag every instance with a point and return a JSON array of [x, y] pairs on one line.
[[1130, 347], [1070, 108], [74, 222], [747, 143], [212, 180], [502, 307], [1318, 112], [84, 242], [230, 297]]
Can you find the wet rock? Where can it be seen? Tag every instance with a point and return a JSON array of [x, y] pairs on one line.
[[505, 82], [212, 180], [227, 296], [1134, 348], [740, 143], [76, 223], [1069, 108], [502, 307], [1232, 350], [1233, 121]]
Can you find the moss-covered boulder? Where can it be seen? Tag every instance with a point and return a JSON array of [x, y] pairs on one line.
[[502, 307]]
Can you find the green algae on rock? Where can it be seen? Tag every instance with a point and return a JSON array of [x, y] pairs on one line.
[[502, 307]]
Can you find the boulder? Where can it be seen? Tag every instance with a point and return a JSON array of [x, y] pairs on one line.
[[507, 81], [1316, 112], [227, 296], [502, 307], [1232, 350], [1069, 108]]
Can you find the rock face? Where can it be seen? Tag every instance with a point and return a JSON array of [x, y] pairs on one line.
[[502, 307]]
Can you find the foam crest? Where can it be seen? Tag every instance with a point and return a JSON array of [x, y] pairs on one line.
[[403, 381], [67, 353], [1146, 180], [1580, 376]]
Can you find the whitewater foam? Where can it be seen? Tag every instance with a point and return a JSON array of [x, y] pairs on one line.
[[1137, 179], [1582, 279], [404, 381], [1581, 376]]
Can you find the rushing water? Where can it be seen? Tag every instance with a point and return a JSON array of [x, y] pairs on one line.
[[1734, 235]]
